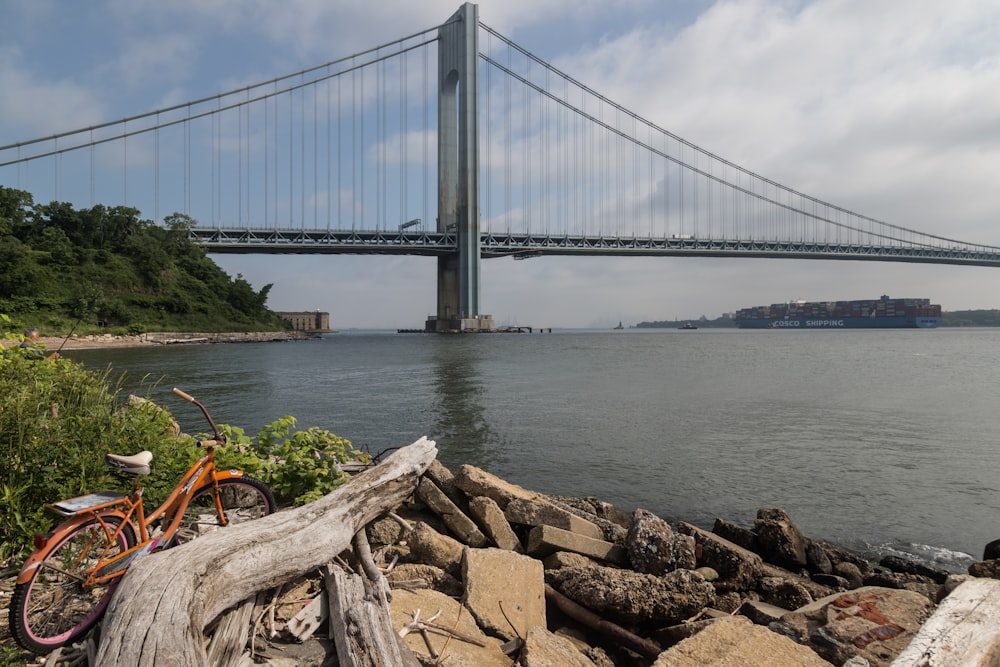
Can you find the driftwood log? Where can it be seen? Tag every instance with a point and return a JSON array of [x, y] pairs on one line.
[[165, 601]]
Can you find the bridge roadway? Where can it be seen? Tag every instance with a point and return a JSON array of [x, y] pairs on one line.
[[523, 246]]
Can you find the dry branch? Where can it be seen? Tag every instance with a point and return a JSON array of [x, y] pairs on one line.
[[612, 630]]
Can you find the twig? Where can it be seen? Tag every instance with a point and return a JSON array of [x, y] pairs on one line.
[[416, 625], [404, 524]]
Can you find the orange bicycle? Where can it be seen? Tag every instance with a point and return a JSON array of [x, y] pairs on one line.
[[67, 582]]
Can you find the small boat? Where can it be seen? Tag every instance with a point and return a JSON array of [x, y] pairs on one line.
[[619, 327], [688, 325]]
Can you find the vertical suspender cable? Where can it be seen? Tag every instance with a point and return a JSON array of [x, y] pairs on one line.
[[267, 152], [361, 155], [239, 167], [314, 89], [187, 163], [507, 105], [92, 168], [302, 156], [329, 152], [125, 163], [425, 131], [404, 132], [156, 170]]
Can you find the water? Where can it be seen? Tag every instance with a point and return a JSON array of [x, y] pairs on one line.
[[882, 441]]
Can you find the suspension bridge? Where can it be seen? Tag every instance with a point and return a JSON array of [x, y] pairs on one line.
[[456, 143]]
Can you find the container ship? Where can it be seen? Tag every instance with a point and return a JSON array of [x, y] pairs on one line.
[[883, 313]]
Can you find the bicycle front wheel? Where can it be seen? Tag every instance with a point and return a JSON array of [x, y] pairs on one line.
[[243, 499], [53, 608]]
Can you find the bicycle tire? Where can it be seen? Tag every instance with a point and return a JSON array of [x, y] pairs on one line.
[[243, 498], [52, 609]]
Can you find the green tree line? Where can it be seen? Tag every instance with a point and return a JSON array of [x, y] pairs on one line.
[[107, 268]]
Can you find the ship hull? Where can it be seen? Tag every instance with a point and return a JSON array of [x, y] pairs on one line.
[[802, 323]]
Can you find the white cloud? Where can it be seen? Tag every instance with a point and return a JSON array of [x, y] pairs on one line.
[[885, 108]]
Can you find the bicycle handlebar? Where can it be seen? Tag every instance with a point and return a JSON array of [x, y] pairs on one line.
[[187, 397], [219, 438]]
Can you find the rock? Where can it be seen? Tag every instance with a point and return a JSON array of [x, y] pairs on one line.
[[837, 554], [461, 526], [815, 589], [566, 559], [734, 533], [476, 482], [850, 572], [632, 597], [783, 593], [541, 513], [383, 532], [431, 547], [672, 634], [453, 652], [545, 540], [871, 622], [737, 567], [989, 569], [833, 581], [992, 550], [762, 613], [779, 540], [736, 642], [654, 548], [613, 522], [504, 591], [817, 560], [544, 649], [911, 582], [907, 566], [491, 519], [444, 479], [594, 507], [951, 583], [434, 578]]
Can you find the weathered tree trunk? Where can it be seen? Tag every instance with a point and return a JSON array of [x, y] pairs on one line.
[[360, 623], [230, 634], [165, 600]]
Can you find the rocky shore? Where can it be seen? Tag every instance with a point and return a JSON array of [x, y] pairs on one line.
[[575, 581], [483, 572], [167, 338]]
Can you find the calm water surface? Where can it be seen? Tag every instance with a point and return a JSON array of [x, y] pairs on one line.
[[881, 440]]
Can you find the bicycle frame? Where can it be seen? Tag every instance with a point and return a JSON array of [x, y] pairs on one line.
[[130, 512]]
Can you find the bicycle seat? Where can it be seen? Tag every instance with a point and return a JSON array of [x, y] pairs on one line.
[[137, 464]]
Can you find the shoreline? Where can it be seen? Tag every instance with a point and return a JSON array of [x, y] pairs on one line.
[[161, 338]]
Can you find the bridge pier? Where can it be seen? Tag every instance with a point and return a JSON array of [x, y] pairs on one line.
[[458, 174]]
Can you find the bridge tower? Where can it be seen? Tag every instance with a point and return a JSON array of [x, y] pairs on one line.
[[458, 173]]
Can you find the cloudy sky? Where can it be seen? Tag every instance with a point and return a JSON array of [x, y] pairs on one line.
[[890, 109]]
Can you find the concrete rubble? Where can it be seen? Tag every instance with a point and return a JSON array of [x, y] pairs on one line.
[[484, 572], [503, 564]]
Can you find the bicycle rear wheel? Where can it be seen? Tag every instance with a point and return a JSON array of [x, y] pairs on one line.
[[243, 499], [53, 608]]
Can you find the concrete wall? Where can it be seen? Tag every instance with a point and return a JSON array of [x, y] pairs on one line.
[[308, 321]]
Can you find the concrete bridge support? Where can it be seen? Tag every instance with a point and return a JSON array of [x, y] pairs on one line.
[[458, 173]]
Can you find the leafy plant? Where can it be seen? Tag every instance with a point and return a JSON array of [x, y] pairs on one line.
[[299, 466], [58, 420]]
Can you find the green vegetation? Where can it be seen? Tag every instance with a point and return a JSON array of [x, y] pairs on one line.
[[58, 420], [971, 318], [104, 269]]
